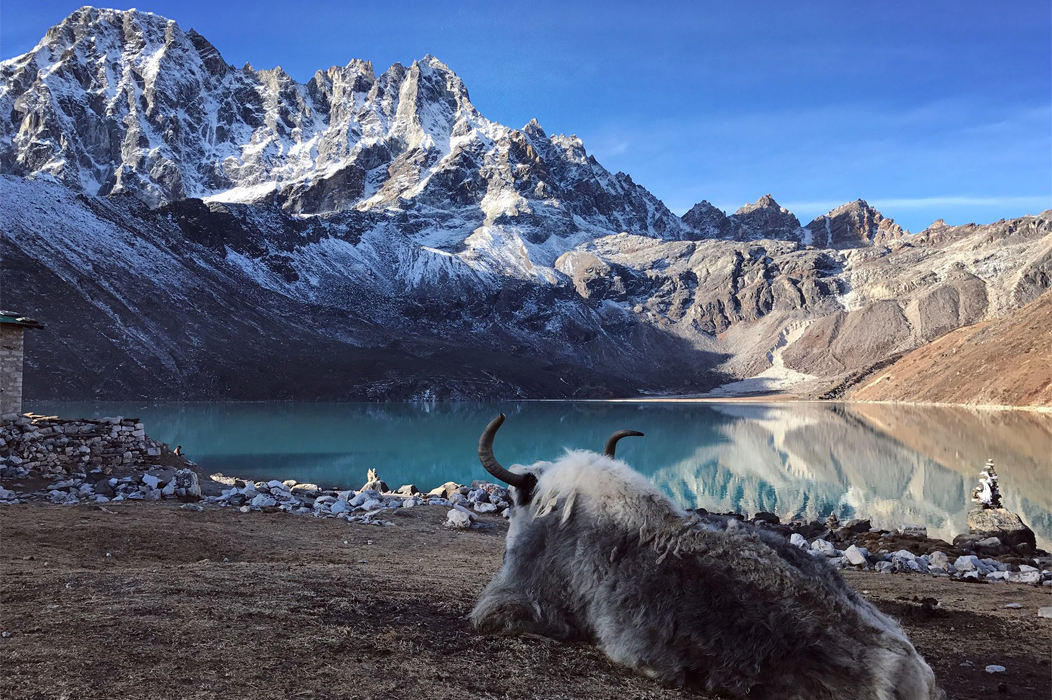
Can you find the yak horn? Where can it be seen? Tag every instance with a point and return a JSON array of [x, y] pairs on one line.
[[611, 444], [490, 462]]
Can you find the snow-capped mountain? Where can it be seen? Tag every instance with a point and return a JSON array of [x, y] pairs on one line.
[[186, 228]]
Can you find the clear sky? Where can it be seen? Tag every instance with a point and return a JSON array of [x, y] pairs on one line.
[[925, 109]]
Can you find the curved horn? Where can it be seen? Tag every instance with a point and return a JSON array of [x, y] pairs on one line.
[[611, 443], [490, 462]]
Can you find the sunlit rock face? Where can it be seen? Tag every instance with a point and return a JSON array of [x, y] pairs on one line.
[[417, 248], [852, 225]]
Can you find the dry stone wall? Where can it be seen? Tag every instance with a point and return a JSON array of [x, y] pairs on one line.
[[52, 446]]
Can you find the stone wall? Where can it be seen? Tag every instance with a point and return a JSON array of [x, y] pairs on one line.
[[52, 446], [10, 368]]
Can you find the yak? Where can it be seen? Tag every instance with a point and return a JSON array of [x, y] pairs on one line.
[[595, 553]]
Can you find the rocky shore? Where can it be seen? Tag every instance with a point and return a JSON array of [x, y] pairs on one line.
[[45, 459]]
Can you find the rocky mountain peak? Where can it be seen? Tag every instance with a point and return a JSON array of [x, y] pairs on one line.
[[764, 202], [852, 225], [765, 218], [708, 220]]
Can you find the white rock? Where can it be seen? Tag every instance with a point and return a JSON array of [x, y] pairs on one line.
[[824, 548], [485, 508], [462, 509], [994, 668], [854, 556], [1031, 578], [263, 501], [968, 562], [797, 539], [1014, 606], [410, 502], [904, 554], [1022, 567], [338, 506], [150, 480], [363, 497], [913, 529], [938, 560], [1045, 612], [458, 520]]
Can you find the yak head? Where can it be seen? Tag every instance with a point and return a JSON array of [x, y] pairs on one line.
[[522, 480]]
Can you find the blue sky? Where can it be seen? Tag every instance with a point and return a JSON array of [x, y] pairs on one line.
[[925, 109]]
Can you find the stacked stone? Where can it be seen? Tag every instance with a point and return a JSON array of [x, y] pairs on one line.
[[53, 446]]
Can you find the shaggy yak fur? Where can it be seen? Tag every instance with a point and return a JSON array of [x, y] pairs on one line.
[[596, 553]]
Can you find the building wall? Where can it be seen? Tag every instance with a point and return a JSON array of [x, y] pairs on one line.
[[10, 368]]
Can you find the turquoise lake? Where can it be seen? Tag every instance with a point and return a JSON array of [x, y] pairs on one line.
[[888, 463]]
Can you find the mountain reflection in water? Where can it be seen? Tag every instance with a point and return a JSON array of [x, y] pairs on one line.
[[888, 463]]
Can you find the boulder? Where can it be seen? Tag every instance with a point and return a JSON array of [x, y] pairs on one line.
[[913, 530], [262, 500], [444, 490], [1002, 524], [854, 556], [938, 560], [187, 485], [1030, 578], [458, 520], [407, 490], [823, 548], [798, 540], [857, 527], [363, 497], [968, 562], [373, 482], [765, 517]]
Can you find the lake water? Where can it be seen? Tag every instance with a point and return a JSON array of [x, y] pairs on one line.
[[883, 462]]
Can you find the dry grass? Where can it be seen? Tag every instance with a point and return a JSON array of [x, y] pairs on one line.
[[220, 604]]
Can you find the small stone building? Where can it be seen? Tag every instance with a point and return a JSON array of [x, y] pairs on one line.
[[12, 325]]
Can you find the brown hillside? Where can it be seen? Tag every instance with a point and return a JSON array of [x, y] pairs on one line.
[[1006, 361]]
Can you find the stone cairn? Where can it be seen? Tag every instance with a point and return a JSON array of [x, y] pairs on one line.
[[987, 494], [991, 520]]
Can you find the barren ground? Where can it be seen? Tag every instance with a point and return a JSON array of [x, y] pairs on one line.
[[221, 604]]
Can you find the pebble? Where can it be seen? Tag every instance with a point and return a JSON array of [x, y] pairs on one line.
[[1014, 606], [1045, 612], [994, 668]]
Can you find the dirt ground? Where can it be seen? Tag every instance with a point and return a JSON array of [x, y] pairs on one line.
[[150, 601]]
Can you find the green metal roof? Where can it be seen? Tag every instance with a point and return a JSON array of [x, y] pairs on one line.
[[16, 319]]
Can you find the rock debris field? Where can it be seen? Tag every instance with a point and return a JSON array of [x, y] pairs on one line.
[[128, 572]]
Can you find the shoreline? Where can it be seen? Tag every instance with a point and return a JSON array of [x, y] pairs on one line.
[[774, 399]]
